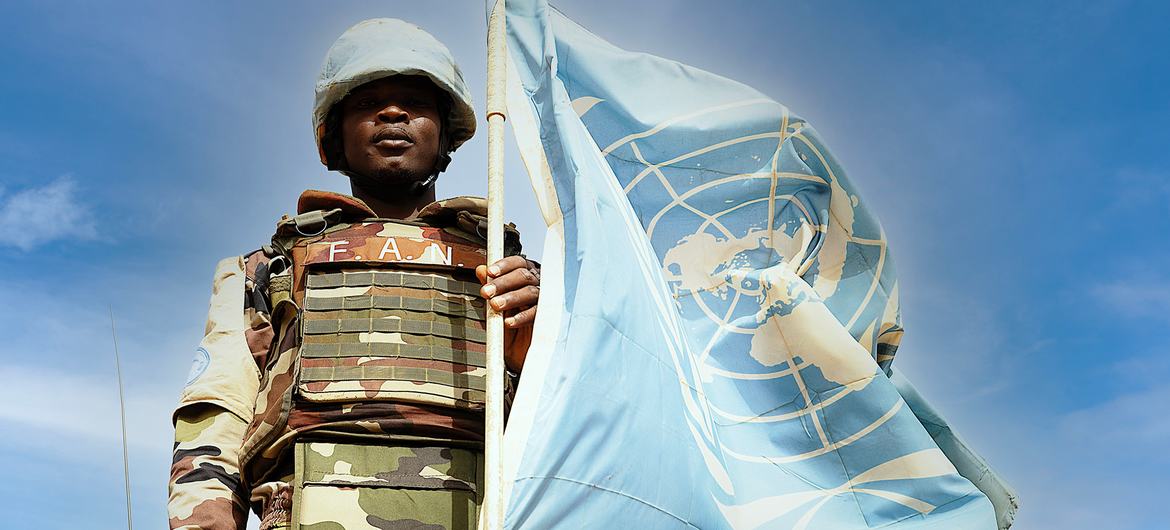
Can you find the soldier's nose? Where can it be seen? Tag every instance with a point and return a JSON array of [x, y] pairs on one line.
[[392, 113]]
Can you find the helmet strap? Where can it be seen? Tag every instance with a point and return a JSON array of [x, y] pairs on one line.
[[419, 187], [442, 159]]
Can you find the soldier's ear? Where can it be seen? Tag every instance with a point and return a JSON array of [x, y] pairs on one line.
[[332, 142], [444, 158], [442, 162]]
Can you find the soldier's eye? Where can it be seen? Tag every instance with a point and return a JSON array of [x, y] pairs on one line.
[[365, 103], [418, 103]]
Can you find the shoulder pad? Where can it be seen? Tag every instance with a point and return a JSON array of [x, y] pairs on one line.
[[444, 212], [468, 217]]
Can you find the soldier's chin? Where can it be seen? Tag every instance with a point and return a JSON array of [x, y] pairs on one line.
[[390, 182]]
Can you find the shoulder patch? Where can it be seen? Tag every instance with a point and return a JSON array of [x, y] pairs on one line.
[[198, 365]]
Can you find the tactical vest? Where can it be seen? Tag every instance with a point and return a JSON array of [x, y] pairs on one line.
[[379, 330]]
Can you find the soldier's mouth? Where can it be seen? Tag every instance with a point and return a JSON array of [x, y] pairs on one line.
[[393, 138]]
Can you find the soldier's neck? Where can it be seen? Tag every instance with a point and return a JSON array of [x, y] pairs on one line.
[[403, 206]]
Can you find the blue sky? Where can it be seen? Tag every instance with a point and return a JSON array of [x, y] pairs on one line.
[[1013, 150]]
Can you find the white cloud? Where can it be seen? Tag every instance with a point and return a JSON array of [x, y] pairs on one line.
[[82, 408], [1146, 370], [58, 383], [59, 374], [1139, 295], [71, 420], [1138, 189], [1133, 425], [1099, 466], [36, 216]]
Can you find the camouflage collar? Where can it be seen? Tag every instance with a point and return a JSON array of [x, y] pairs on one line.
[[313, 200]]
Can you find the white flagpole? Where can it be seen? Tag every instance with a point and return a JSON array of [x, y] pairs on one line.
[[492, 514]]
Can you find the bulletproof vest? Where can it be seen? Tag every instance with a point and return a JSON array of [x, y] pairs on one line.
[[372, 317]]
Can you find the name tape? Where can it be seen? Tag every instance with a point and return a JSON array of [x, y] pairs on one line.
[[375, 249]]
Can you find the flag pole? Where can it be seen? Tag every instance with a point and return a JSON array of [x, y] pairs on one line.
[[492, 514]]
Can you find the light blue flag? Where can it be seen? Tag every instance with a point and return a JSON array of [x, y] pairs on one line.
[[718, 315]]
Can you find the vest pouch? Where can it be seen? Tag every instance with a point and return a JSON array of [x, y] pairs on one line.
[[406, 335], [355, 486]]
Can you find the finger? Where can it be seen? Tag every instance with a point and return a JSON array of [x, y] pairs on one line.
[[517, 299], [521, 319], [507, 265], [509, 282], [481, 272]]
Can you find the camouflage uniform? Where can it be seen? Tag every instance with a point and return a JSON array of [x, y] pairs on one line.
[[344, 391]]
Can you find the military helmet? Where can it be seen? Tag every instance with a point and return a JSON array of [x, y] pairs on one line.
[[382, 47]]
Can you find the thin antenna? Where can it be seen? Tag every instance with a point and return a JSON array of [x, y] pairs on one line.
[[122, 411]]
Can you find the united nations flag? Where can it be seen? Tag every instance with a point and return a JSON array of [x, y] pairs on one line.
[[718, 318]]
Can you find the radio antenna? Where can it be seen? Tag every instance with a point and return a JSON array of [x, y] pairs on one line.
[[122, 411]]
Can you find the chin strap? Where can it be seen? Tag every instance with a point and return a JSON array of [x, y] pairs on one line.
[[419, 187], [441, 162]]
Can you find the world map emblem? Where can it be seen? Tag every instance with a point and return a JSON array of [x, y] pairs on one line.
[[199, 365], [788, 304]]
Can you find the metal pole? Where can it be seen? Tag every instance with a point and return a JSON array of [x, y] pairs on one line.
[[122, 410], [493, 503]]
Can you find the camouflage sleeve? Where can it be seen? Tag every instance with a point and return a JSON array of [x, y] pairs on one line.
[[213, 413], [205, 488]]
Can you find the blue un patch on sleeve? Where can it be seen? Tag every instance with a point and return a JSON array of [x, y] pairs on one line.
[[198, 365]]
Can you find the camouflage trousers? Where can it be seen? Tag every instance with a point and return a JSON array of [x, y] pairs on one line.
[[376, 487]]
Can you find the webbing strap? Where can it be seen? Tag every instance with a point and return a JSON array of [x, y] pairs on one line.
[[393, 338], [469, 308], [393, 373], [392, 325], [366, 314], [393, 279], [426, 352]]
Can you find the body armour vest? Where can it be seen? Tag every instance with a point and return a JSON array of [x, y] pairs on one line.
[[379, 329]]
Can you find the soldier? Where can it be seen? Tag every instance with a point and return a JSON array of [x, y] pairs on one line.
[[340, 382]]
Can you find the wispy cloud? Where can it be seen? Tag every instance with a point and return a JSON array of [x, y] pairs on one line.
[[1141, 295], [68, 420], [82, 408], [59, 393], [36, 216], [1143, 370], [1134, 421], [59, 376], [1135, 188]]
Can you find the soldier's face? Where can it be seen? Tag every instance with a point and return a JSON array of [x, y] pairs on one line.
[[390, 130]]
